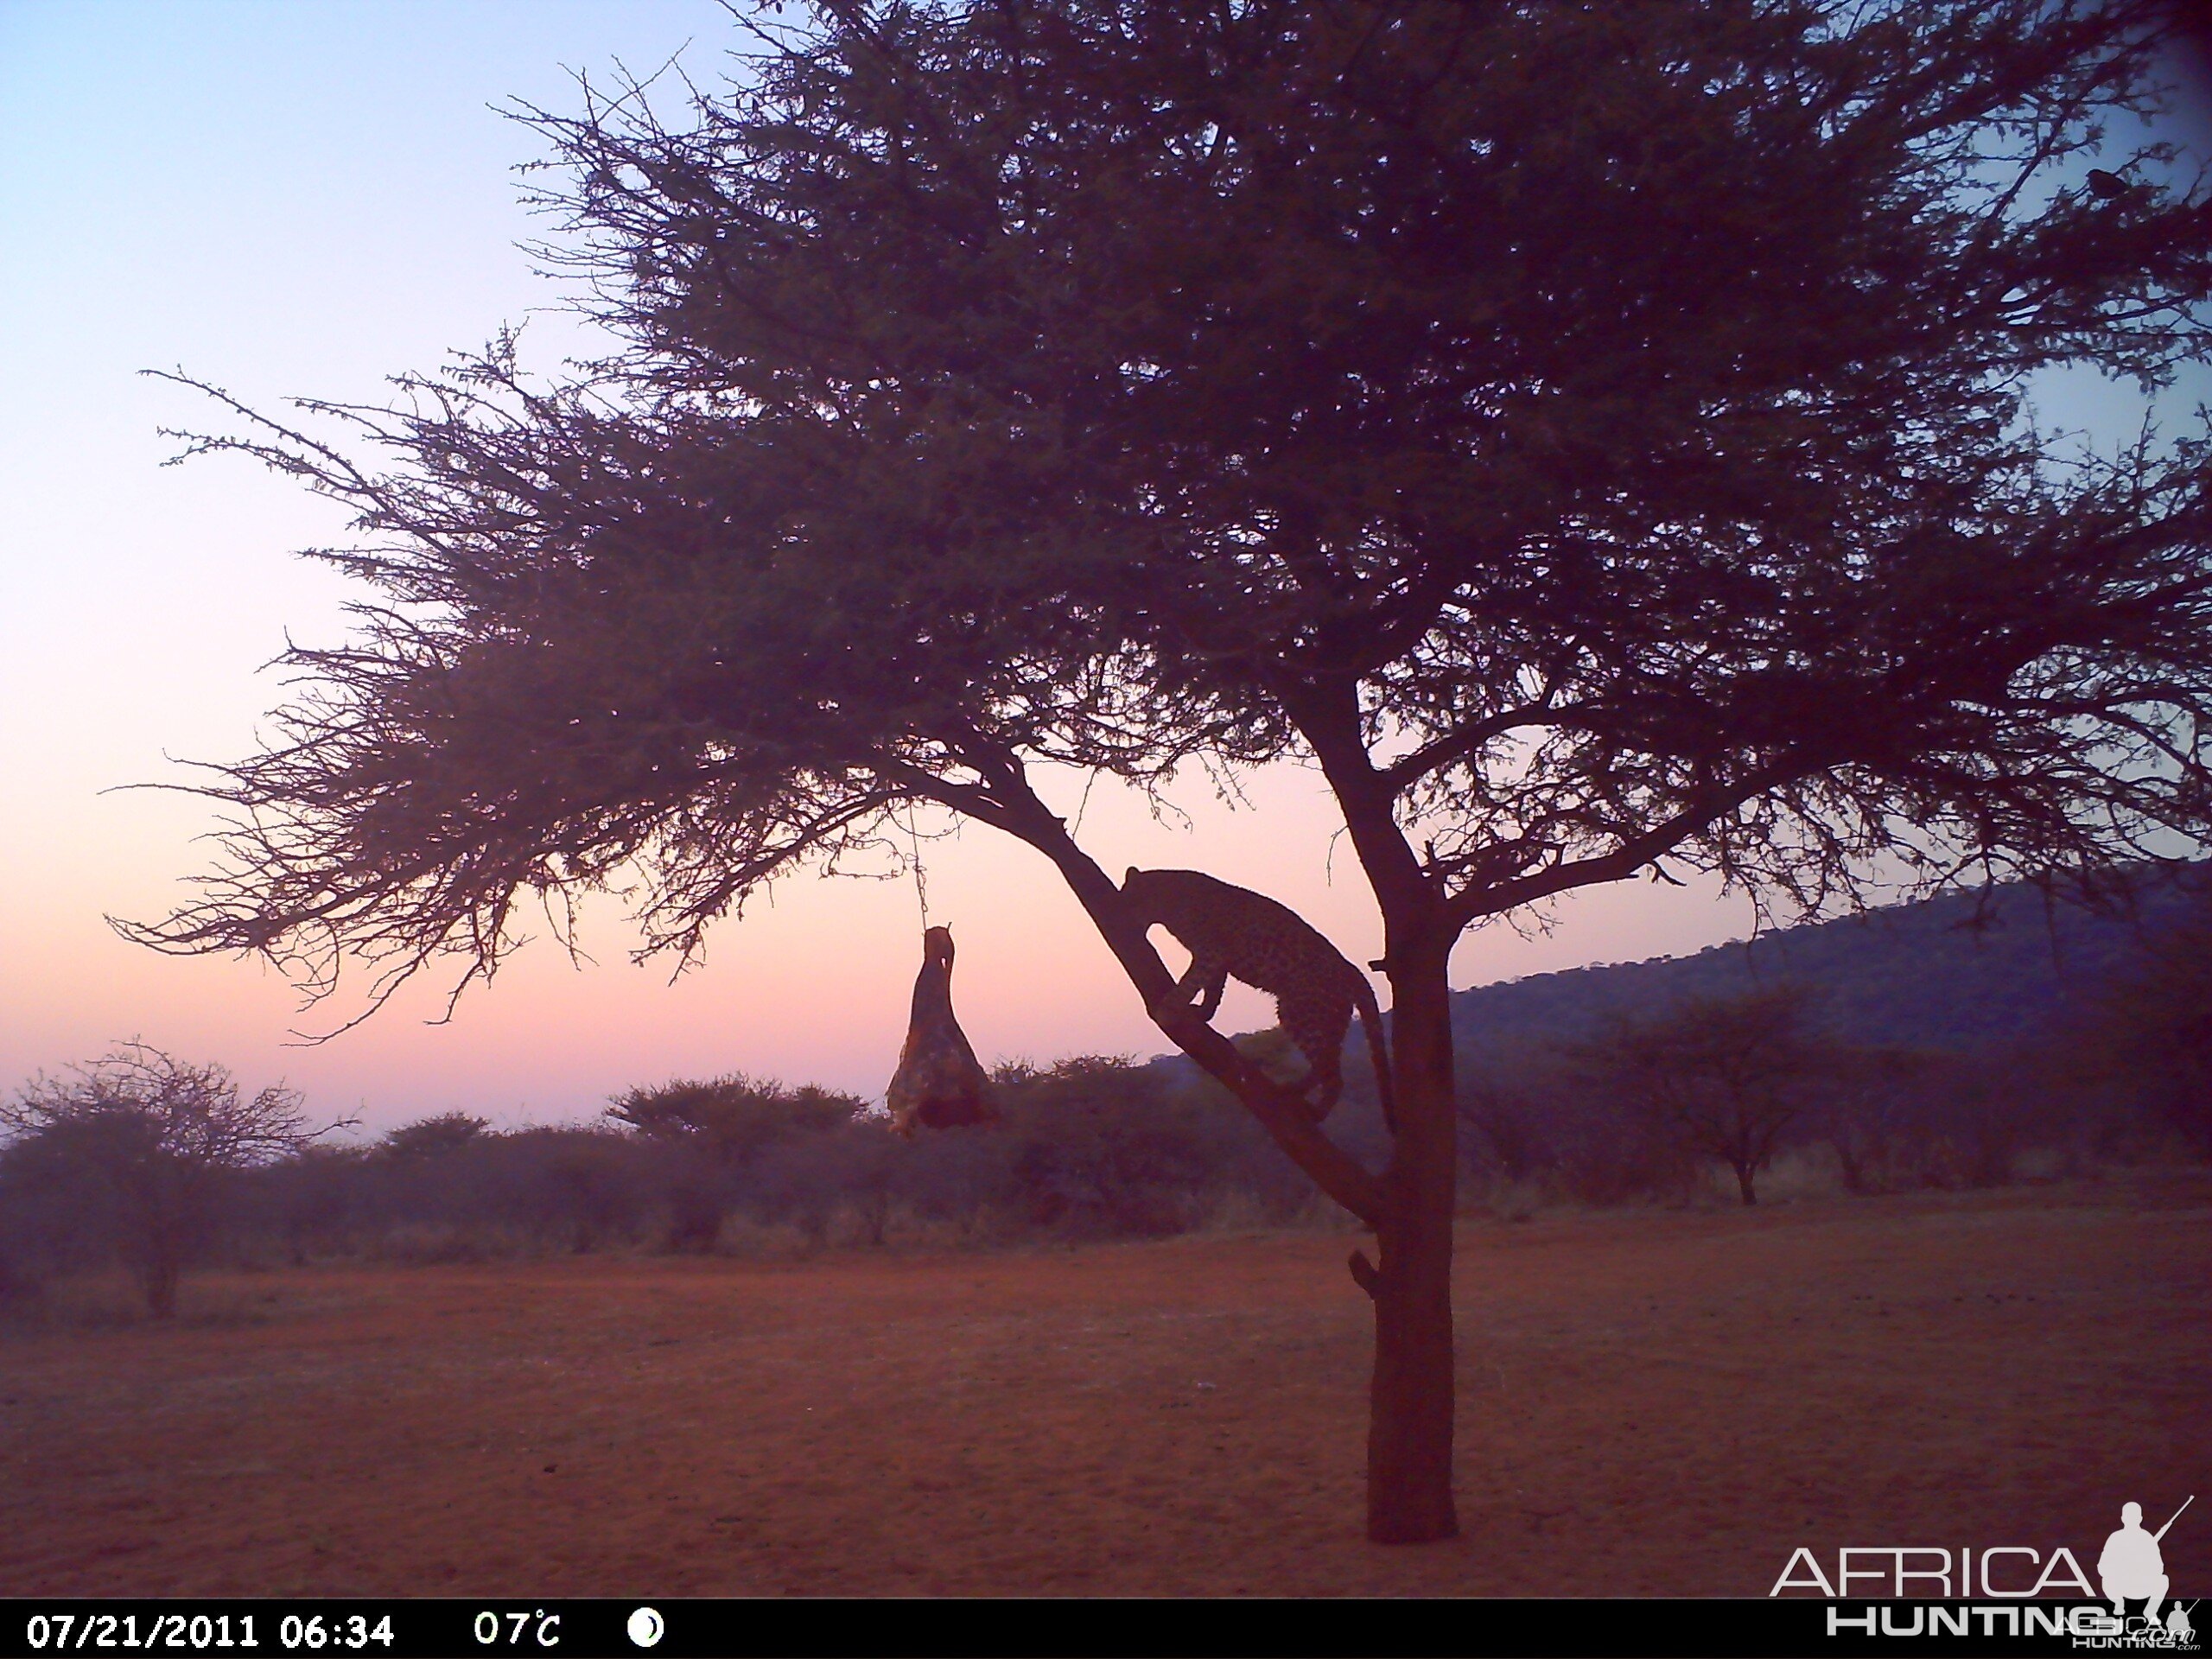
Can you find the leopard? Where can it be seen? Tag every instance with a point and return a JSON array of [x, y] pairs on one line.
[[1233, 932]]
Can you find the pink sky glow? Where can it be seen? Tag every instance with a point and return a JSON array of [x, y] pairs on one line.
[[300, 200]]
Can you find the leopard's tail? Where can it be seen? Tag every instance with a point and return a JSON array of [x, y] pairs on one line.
[[1371, 1021]]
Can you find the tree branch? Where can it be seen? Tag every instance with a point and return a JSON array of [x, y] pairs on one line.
[[1466, 906], [1283, 1114]]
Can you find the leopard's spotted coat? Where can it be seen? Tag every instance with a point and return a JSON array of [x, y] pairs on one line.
[[1230, 931]]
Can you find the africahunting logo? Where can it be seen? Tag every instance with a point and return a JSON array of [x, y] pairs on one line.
[[2006, 1591]]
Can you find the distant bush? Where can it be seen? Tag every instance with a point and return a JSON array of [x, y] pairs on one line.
[[432, 1137], [1093, 1147], [133, 1157], [1539, 1124], [105, 1168], [730, 1145], [733, 1118], [2147, 1041]]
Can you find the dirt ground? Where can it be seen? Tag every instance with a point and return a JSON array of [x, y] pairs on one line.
[[1651, 1403]]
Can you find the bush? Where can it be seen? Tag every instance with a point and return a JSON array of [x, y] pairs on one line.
[[131, 1157]]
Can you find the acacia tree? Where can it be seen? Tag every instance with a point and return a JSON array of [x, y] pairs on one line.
[[427, 1139], [734, 1117], [1597, 438], [1871, 1099], [135, 1143], [1727, 1075], [728, 1123]]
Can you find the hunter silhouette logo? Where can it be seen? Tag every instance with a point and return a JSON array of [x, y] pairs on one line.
[[2132, 1568]]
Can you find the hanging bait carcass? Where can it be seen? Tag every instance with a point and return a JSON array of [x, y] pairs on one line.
[[938, 1084]]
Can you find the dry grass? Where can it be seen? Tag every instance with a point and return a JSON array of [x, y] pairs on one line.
[[1651, 1403]]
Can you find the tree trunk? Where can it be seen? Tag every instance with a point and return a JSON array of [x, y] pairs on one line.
[[158, 1275], [163, 1230], [1409, 1430], [1409, 1439], [1847, 1161], [1744, 1174]]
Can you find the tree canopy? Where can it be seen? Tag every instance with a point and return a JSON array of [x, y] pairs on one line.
[[1595, 438], [735, 1116], [1727, 1075], [1585, 425]]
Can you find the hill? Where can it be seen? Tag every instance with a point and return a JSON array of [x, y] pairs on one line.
[[1944, 973]]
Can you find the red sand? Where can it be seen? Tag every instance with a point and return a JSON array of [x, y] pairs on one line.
[[1650, 1403]]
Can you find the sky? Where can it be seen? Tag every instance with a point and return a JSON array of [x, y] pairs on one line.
[[301, 200]]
